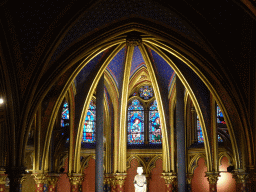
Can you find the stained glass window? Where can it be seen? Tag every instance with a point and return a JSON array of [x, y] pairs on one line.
[[200, 138], [135, 123], [65, 115], [146, 92], [155, 134], [220, 117], [220, 139], [90, 124]]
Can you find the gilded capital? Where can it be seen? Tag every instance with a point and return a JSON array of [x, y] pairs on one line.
[[76, 179], [120, 178], [3, 179], [53, 179], [212, 177], [169, 178], [107, 180], [40, 178], [189, 178], [240, 177]]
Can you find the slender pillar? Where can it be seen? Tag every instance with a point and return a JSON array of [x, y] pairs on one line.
[[181, 171], [52, 181], [240, 178], [40, 180], [170, 181], [76, 180], [99, 171], [120, 179], [16, 176], [189, 180], [212, 177]]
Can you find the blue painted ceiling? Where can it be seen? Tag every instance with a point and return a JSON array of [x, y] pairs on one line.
[[108, 11]]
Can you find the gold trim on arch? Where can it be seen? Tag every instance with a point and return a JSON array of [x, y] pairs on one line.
[[87, 102], [165, 143], [193, 98], [148, 42]]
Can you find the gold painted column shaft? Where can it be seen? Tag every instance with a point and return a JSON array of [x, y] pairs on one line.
[[165, 143], [38, 138], [123, 107]]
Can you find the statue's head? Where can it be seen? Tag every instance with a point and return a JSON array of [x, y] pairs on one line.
[[140, 170]]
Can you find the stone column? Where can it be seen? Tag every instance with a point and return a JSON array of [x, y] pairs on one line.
[[99, 160], [212, 177], [3, 177], [170, 181], [52, 181], [119, 181], [41, 181], [16, 176], [251, 180], [189, 180], [240, 178], [181, 161], [76, 181]]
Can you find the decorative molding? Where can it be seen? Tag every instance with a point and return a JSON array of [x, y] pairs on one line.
[[40, 178], [240, 177], [212, 177], [169, 178], [53, 179], [120, 178], [3, 178], [76, 179]]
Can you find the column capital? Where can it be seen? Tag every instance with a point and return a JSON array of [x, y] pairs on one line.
[[212, 177], [107, 179], [3, 177], [76, 178], [169, 178], [120, 178], [189, 178], [240, 177], [52, 178], [40, 178]]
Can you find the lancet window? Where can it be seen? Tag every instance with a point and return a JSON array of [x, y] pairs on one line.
[[90, 124], [135, 123], [65, 115], [155, 134], [143, 127]]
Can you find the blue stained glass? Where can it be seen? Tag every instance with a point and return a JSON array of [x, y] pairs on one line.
[[155, 134], [90, 124], [220, 139], [65, 115], [200, 137], [135, 123], [146, 92], [220, 117]]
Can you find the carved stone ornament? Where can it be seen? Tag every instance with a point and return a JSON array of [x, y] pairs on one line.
[[53, 179], [120, 178], [40, 178], [212, 177], [169, 178], [240, 177], [3, 179], [189, 178], [76, 179]]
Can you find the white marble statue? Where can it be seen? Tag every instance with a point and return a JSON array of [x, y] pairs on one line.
[[140, 181]]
